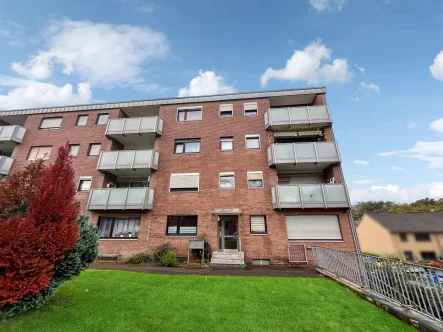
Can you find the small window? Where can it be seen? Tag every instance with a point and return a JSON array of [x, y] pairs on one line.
[[258, 224], [252, 142], [227, 181], [118, 227], [261, 262], [40, 152], [226, 111], [102, 119], [84, 184], [51, 123], [227, 143], [82, 120], [422, 237], [187, 146], [255, 180], [193, 114], [73, 149], [428, 255], [184, 182], [403, 237], [251, 109], [408, 256], [181, 225], [94, 149]]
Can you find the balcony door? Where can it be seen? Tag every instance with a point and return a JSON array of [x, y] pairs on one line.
[[228, 233]]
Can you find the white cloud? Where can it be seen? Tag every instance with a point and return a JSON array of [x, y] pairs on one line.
[[398, 194], [437, 125], [12, 32], [30, 94], [100, 53], [411, 125], [369, 87], [440, 174], [147, 8], [361, 69], [431, 152], [361, 162], [323, 5], [308, 65], [206, 83], [363, 181], [397, 168], [436, 68]]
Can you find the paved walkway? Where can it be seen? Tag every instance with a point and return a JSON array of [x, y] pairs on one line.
[[266, 271]]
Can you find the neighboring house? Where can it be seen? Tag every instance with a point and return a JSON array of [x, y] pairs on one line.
[[257, 173], [414, 236]]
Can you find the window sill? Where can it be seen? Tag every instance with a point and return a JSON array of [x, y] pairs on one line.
[[335, 241], [223, 189], [227, 150], [119, 239], [180, 236], [259, 234]]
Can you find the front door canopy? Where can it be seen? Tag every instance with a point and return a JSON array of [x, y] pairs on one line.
[[227, 211]]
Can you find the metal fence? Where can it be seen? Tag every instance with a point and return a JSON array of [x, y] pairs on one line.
[[297, 253], [415, 286]]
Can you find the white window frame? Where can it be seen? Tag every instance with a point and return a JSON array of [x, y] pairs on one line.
[[253, 136], [227, 139], [39, 147], [84, 178], [80, 116], [244, 108], [262, 179], [189, 108], [225, 174], [220, 110], [316, 240], [70, 145], [180, 174], [51, 118], [265, 225]]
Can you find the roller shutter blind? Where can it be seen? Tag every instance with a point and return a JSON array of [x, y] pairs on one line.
[[258, 224], [315, 227], [51, 123], [185, 181], [226, 108], [255, 175], [250, 106]]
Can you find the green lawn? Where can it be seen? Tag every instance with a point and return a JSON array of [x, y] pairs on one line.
[[130, 301]]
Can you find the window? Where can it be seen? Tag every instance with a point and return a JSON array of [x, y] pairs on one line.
[[182, 225], [258, 224], [226, 111], [102, 119], [428, 255], [85, 183], [227, 143], [227, 181], [255, 180], [73, 149], [313, 227], [40, 152], [51, 123], [118, 227], [403, 237], [193, 114], [408, 256], [187, 146], [94, 149], [422, 237], [252, 142], [251, 109], [81, 120], [184, 182]]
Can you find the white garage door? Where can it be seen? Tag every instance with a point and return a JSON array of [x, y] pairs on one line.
[[316, 227]]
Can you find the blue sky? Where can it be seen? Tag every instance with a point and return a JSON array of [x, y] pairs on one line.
[[378, 59]]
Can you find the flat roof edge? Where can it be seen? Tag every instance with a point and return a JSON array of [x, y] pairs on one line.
[[166, 101]]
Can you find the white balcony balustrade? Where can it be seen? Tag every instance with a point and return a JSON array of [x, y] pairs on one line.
[[128, 162], [5, 165], [288, 118], [135, 131], [10, 136], [121, 199]]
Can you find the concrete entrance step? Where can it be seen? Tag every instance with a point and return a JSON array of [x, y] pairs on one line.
[[228, 259]]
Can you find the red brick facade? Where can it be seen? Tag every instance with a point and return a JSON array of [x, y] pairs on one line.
[[208, 163]]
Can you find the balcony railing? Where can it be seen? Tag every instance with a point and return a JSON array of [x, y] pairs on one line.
[[5, 165], [310, 152], [297, 117], [128, 160], [10, 136], [304, 196], [126, 126], [121, 199]]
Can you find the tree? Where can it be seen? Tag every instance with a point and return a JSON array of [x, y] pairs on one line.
[[361, 208]]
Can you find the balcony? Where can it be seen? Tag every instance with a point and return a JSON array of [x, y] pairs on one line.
[[305, 196], [303, 156], [128, 162], [121, 199], [294, 118], [5, 165], [135, 131], [10, 136]]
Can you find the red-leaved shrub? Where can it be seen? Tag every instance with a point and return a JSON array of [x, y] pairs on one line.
[[31, 245]]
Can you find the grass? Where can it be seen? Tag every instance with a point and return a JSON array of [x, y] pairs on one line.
[[130, 301]]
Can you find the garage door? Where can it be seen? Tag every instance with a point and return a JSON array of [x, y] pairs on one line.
[[315, 227]]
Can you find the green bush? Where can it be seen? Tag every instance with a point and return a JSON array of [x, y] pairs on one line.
[[161, 251], [140, 258], [370, 254], [198, 252], [169, 259]]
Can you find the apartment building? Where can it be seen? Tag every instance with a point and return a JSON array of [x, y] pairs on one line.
[[258, 174], [414, 236]]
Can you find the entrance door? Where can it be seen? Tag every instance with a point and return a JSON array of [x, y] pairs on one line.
[[227, 233]]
